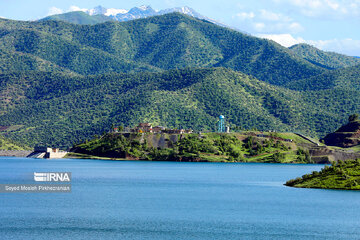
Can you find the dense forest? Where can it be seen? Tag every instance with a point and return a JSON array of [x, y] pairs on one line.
[[61, 83], [63, 108], [8, 144], [330, 60], [347, 79], [158, 43]]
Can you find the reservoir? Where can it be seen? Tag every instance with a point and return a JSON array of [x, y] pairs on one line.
[[172, 200]]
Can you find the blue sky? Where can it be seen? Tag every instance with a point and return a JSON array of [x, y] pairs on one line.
[[331, 25]]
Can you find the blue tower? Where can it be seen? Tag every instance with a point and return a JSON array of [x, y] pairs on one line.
[[221, 124]]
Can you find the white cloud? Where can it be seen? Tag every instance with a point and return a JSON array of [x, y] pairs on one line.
[[271, 16], [259, 26], [318, 7], [295, 27], [113, 11], [286, 40], [347, 46], [245, 15], [54, 10], [265, 21], [77, 9], [324, 8]]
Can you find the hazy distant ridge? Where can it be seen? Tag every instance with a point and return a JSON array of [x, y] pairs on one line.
[[100, 14]]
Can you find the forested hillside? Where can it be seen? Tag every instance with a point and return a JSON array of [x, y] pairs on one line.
[[61, 83], [65, 108], [8, 144], [347, 79], [11, 61], [158, 43], [330, 60]]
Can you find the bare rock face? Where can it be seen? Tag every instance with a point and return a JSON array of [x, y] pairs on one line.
[[346, 136]]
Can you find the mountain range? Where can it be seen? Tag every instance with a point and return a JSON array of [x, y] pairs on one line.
[[151, 44], [100, 14], [61, 83]]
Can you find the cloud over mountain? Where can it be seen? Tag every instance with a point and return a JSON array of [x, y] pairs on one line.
[[346, 46], [54, 10], [265, 21], [286, 40]]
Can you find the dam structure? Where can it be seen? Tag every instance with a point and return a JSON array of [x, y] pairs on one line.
[[46, 152]]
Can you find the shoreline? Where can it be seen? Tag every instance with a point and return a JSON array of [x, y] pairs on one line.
[[93, 157]]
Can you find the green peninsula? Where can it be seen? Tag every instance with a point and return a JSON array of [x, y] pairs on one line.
[[340, 175]]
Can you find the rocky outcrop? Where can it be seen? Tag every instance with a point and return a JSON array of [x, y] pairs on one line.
[[346, 136], [324, 155]]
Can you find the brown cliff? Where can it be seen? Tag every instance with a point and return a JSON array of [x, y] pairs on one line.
[[346, 136]]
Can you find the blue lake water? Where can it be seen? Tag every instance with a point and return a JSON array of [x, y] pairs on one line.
[[168, 200]]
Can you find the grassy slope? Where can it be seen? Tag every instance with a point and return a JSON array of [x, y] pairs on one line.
[[341, 175]]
